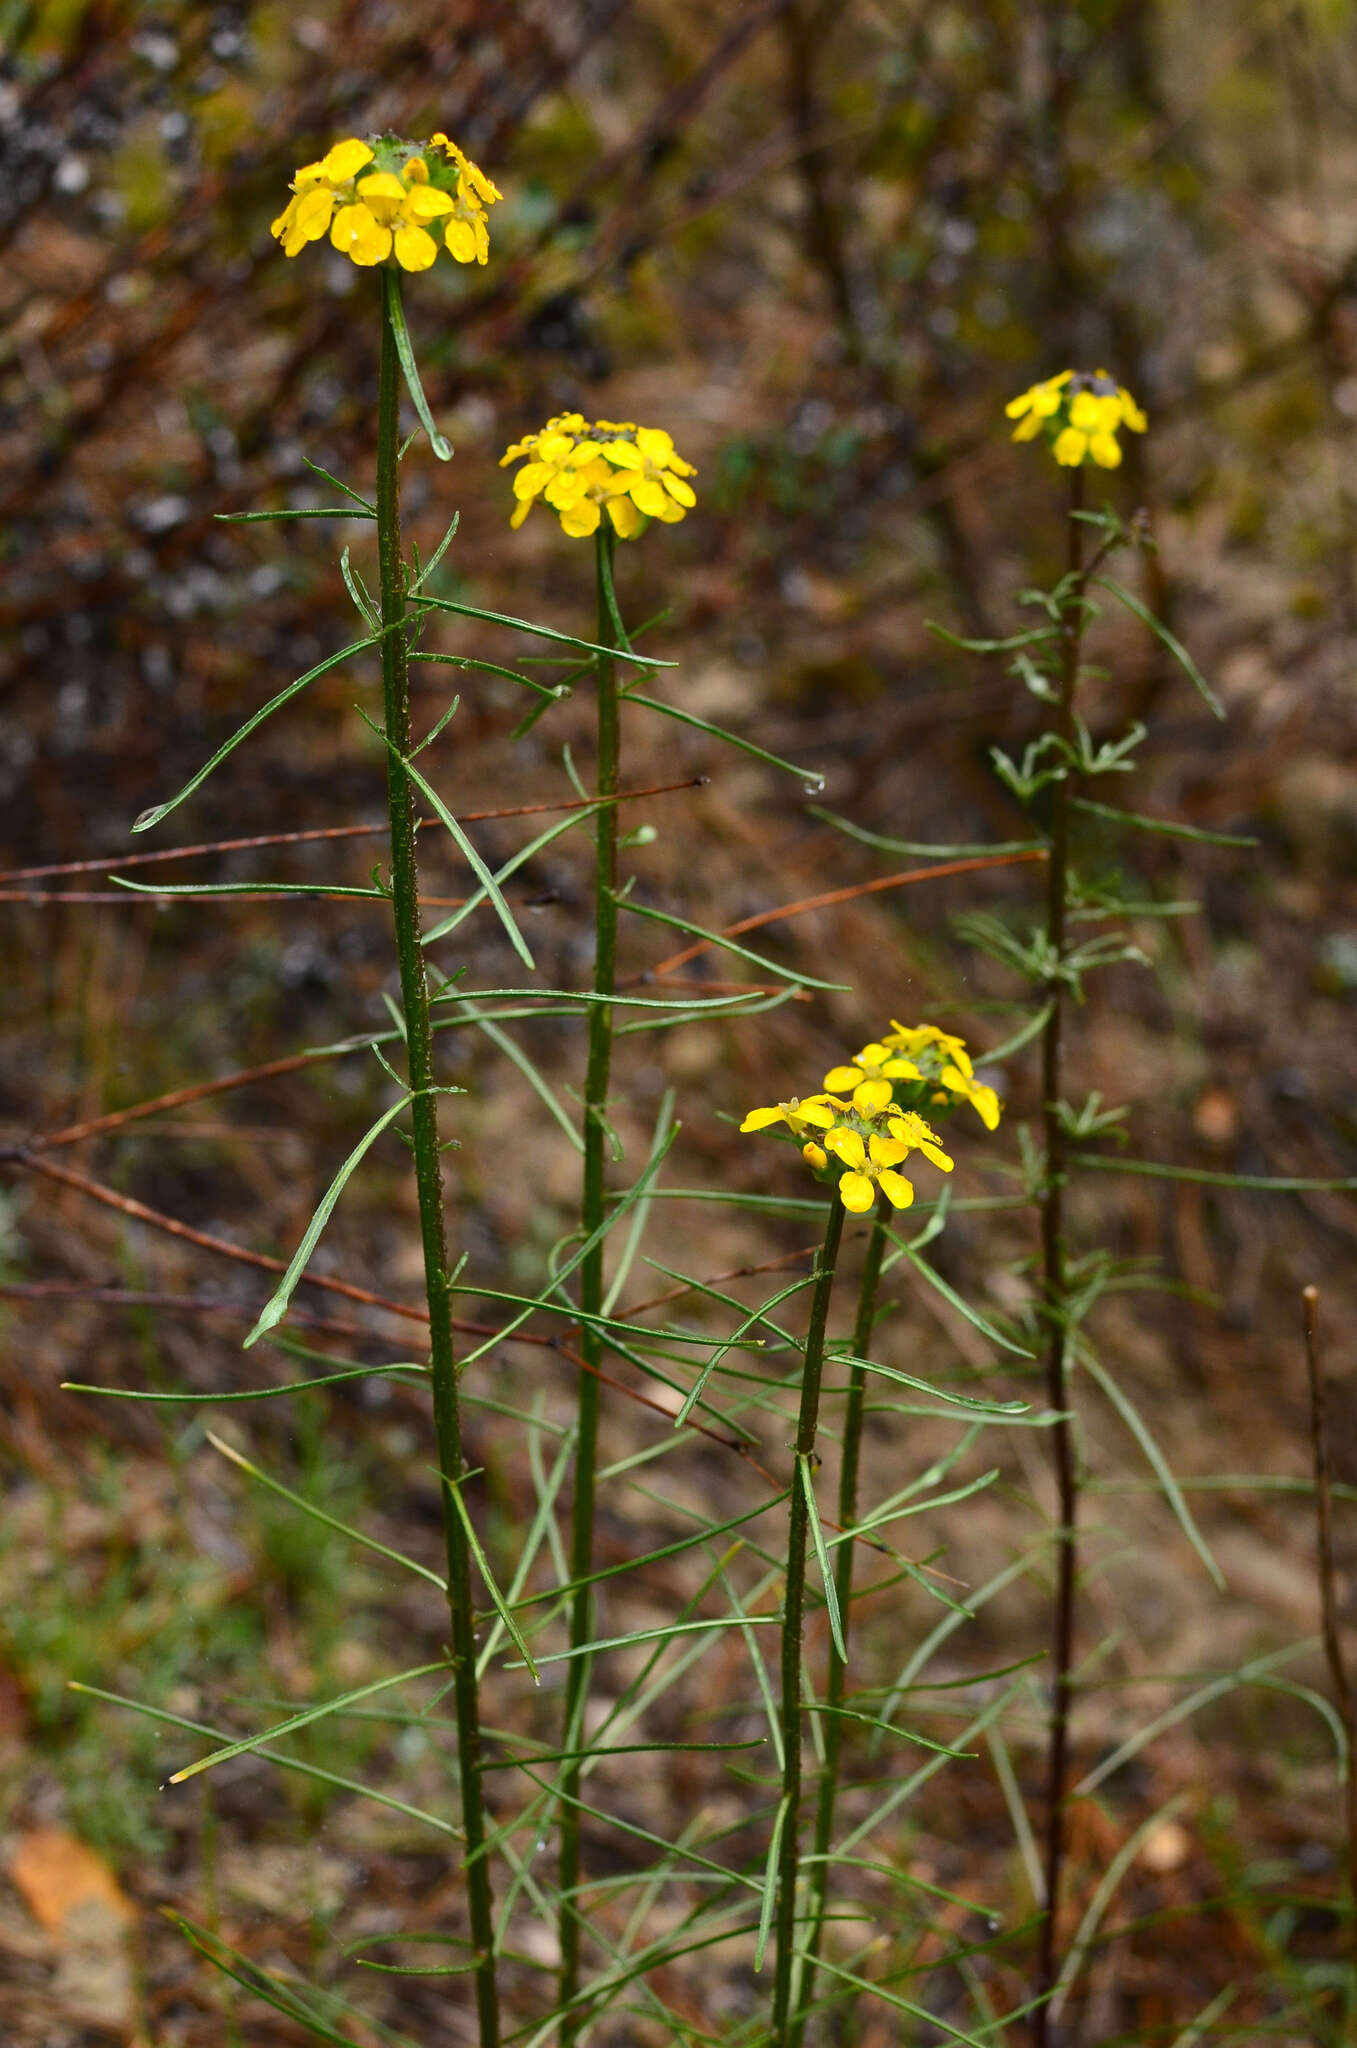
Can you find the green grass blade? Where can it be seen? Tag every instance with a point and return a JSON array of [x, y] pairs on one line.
[[275, 1308]]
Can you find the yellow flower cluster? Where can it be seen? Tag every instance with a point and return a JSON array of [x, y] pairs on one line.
[[390, 199], [581, 469], [921, 1067], [1081, 414], [867, 1120]]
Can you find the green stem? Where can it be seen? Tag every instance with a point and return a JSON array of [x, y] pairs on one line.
[[793, 1617], [428, 1164], [592, 1201], [843, 1583], [1056, 1289]]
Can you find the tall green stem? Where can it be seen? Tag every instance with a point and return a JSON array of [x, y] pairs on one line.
[[592, 1201], [428, 1164], [1055, 1283], [793, 1619], [836, 1685]]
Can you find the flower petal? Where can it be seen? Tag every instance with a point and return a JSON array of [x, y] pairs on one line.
[[345, 160], [415, 250], [759, 1119], [898, 1191], [857, 1193]]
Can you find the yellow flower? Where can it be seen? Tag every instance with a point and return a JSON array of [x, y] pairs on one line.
[[1081, 413], [914, 1063], [871, 1166], [379, 201], [816, 1111], [582, 470]]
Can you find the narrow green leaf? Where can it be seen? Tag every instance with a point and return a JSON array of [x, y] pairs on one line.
[[921, 848], [1262, 1183], [670, 1632], [1183, 1710], [997, 1409], [581, 1252], [510, 867], [304, 1719], [493, 668], [504, 1611], [954, 1300], [330, 1379], [1135, 1422], [481, 871], [1167, 826], [298, 889], [297, 1765], [822, 1556], [813, 781], [307, 1507], [770, 1882], [159, 811], [728, 945], [1166, 639], [275, 1308], [756, 1315], [395, 313], [300, 512], [328, 476], [640, 1215], [436, 557], [532, 1074], [474, 611]]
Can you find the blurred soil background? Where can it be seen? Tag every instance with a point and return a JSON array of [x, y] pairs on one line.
[[822, 245]]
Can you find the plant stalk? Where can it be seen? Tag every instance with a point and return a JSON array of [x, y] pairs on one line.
[[836, 1685], [428, 1161], [592, 1201], [793, 1619], [1055, 1285]]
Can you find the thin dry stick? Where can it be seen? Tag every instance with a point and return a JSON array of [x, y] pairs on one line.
[[1328, 1595], [937, 873], [134, 860], [126, 1205]]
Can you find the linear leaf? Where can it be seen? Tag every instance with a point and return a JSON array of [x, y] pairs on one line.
[[954, 1300], [395, 313], [1166, 639], [275, 1308], [729, 945], [731, 739], [307, 1507], [304, 1719], [1135, 1422], [1167, 826], [159, 811], [922, 848], [502, 874], [504, 1611], [301, 512], [822, 1557], [756, 1315], [770, 1881], [474, 611], [531, 1073], [478, 867], [1262, 1183]]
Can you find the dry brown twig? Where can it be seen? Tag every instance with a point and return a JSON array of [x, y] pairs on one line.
[[1328, 1592]]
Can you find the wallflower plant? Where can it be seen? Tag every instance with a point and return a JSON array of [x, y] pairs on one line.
[[1080, 413], [854, 1144]]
